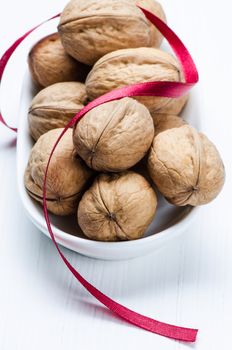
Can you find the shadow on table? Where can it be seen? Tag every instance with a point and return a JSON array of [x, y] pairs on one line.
[[8, 144]]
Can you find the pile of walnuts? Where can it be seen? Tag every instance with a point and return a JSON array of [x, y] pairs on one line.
[[102, 45]]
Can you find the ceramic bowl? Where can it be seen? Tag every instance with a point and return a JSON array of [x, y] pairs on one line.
[[170, 221]]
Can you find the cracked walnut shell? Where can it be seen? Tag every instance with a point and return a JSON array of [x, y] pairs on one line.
[[115, 135], [67, 173], [186, 166], [117, 207], [54, 106], [91, 28], [139, 65], [50, 64]]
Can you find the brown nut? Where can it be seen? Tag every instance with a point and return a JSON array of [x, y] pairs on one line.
[[130, 66], [50, 64], [117, 207], [54, 106], [154, 7], [175, 105], [114, 136], [186, 167], [163, 122], [91, 28], [67, 174]]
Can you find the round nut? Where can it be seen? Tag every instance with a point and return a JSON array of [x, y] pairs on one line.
[[186, 167], [163, 122], [139, 65], [50, 64], [54, 106], [91, 28], [154, 7], [117, 207], [67, 174], [115, 135], [175, 105]]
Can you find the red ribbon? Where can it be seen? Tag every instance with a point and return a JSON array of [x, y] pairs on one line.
[[7, 55], [165, 89]]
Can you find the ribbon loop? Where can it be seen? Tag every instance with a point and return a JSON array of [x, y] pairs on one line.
[[7, 55]]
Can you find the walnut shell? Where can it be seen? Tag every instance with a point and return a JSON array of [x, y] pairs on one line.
[[67, 173], [91, 28], [163, 122], [114, 136], [54, 106], [174, 105], [130, 66], [156, 8], [50, 64], [186, 167], [117, 207]]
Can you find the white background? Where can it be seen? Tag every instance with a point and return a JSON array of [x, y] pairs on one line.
[[189, 282]]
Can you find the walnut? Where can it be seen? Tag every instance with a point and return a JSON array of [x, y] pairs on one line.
[[174, 105], [117, 207], [154, 7], [163, 122], [91, 28], [67, 174], [50, 64], [130, 66], [54, 106], [185, 166], [114, 136]]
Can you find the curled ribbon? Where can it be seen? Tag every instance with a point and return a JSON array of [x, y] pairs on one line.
[[7, 55], [164, 89]]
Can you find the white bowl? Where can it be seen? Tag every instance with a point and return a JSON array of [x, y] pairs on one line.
[[169, 223]]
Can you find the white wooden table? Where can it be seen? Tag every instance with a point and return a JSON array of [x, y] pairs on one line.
[[189, 282]]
